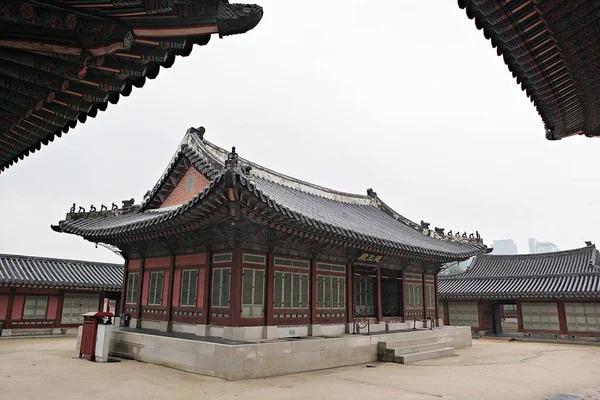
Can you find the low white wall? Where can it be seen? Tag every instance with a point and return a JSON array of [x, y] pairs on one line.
[[259, 360]]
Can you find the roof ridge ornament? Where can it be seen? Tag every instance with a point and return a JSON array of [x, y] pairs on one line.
[[197, 131], [371, 193], [232, 160]]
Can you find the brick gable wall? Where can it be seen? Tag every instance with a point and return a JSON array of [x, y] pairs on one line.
[[180, 195]]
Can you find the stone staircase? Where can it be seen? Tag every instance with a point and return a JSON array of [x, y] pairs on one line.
[[415, 346]]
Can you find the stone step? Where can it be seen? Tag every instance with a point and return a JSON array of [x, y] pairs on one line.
[[424, 339], [425, 355], [417, 348]]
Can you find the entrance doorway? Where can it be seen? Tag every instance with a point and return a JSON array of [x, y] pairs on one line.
[[391, 304], [364, 296], [506, 319]]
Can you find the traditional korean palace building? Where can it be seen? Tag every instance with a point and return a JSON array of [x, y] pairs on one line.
[[43, 296], [550, 47], [222, 246], [62, 61], [547, 295]]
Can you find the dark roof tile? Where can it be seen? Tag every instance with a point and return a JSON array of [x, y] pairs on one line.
[[27, 270], [570, 273]]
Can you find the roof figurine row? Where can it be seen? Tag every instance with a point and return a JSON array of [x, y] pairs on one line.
[[437, 233], [128, 207]]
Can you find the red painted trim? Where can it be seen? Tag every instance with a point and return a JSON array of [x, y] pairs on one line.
[[270, 289], [121, 308], [378, 296], [313, 291]]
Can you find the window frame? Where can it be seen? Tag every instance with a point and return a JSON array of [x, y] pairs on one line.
[[254, 304], [35, 315], [303, 289], [222, 287], [132, 288], [189, 286], [154, 290], [339, 293]]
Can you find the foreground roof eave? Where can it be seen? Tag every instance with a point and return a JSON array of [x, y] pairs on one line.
[[535, 40], [45, 93]]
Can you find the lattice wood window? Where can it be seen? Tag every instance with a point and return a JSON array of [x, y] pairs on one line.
[[413, 296], [155, 289], [220, 287], [463, 314], [331, 292], [75, 304], [291, 290], [540, 316], [583, 317], [253, 288], [35, 307], [189, 287], [132, 287], [430, 297]]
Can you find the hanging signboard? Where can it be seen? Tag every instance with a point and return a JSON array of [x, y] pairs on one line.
[[370, 260]]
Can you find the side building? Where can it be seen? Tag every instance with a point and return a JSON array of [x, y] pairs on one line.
[[549, 295], [44, 296], [224, 247]]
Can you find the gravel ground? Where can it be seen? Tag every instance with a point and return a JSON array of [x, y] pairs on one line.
[[492, 369]]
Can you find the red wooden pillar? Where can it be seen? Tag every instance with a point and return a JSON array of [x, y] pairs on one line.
[[401, 289], [207, 288], [121, 309], [270, 272], [378, 299], [519, 317], [446, 313], [349, 293], [100, 305], [313, 291], [170, 293], [435, 293], [235, 293], [562, 317], [424, 290], [59, 307], [9, 307], [138, 303]]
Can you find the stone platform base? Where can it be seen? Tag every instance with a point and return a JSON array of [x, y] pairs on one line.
[[263, 358], [39, 331]]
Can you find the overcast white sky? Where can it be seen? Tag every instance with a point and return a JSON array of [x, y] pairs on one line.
[[405, 97]]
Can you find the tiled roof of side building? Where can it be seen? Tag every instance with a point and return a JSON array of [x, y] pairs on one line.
[[17, 270], [362, 217], [569, 273]]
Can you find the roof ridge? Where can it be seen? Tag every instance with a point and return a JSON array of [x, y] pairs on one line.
[[219, 154], [566, 274], [5, 255], [538, 255]]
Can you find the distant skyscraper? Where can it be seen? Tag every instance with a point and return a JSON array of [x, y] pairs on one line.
[[504, 246], [541, 247]]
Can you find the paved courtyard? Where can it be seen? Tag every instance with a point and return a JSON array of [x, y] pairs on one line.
[[492, 369]]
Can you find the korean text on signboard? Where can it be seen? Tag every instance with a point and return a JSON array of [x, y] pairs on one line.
[[369, 258]]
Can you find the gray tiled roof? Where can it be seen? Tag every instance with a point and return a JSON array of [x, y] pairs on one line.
[[571, 273], [358, 217], [38, 271]]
